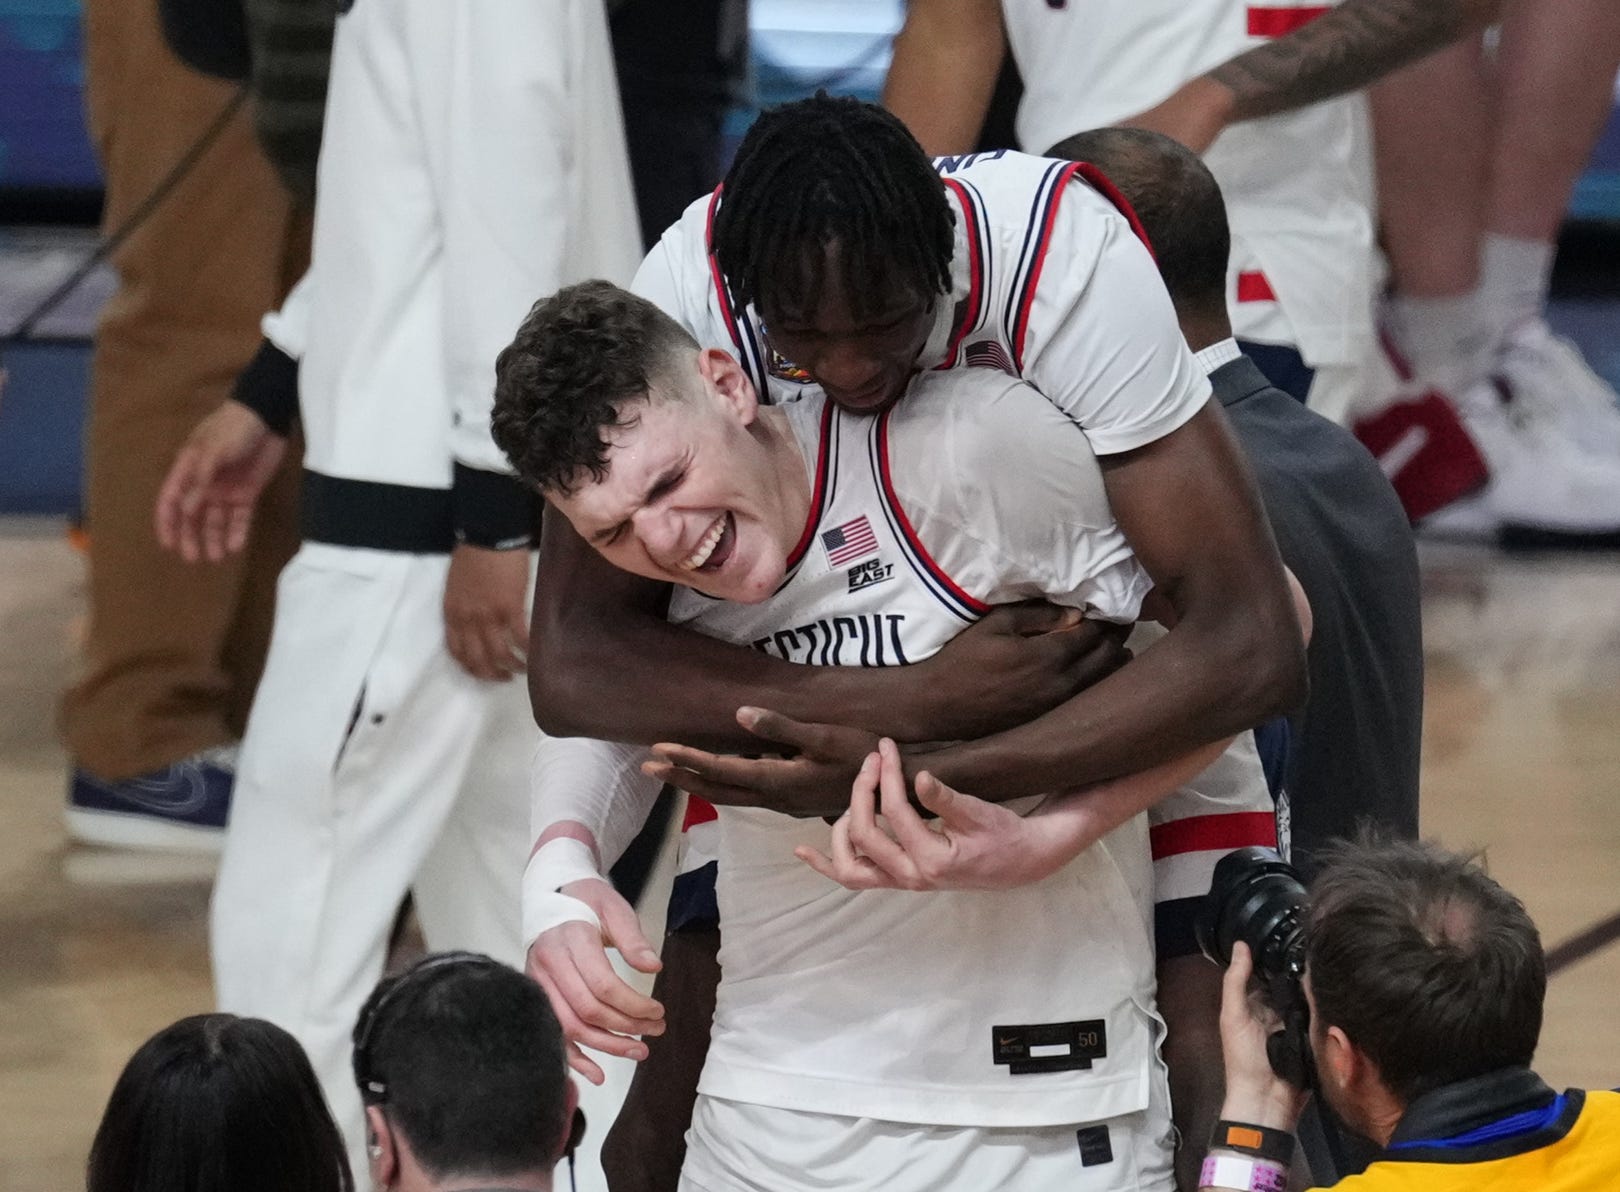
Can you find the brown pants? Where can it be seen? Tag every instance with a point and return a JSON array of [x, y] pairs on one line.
[[173, 650]]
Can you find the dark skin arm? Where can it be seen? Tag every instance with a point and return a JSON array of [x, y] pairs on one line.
[[1344, 50], [605, 663], [1190, 1003]]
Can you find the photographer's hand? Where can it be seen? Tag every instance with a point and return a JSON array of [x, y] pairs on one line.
[[1254, 1093]]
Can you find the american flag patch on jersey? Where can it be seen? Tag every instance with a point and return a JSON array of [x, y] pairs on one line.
[[987, 353], [850, 541]]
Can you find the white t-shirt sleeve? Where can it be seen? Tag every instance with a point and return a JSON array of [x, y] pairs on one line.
[[1102, 341], [505, 111], [288, 327], [1005, 494]]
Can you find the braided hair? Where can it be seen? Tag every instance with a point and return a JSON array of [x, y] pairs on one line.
[[824, 169]]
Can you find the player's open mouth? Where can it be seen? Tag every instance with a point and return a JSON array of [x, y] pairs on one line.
[[715, 548]]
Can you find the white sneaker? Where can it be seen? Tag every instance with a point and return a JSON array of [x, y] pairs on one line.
[[1549, 372], [1467, 519], [1541, 481]]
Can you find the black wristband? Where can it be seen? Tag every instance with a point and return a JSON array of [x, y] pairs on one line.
[[269, 387], [494, 510], [1260, 1142]]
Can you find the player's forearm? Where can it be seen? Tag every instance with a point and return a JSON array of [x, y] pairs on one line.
[[1342, 51], [591, 791], [642, 679], [1066, 825], [604, 662], [946, 59], [1207, 680], [1098, 809]]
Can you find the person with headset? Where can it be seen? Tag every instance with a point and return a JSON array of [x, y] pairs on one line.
[[460, 1065]]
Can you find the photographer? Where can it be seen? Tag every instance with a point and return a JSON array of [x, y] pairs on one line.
[[1425, 981]]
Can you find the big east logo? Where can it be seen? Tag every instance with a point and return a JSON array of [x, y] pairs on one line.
[[864, 575]]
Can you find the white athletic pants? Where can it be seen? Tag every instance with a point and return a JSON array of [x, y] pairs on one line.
[[372, 765], [736, 1147]]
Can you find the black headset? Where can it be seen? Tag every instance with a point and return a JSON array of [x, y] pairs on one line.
[[373, 1088]]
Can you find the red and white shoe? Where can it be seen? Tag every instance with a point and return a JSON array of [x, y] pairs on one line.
[[1547, 487], [1426, 451]]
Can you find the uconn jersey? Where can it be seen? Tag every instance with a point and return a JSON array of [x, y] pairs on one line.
[[1025, 1007], [1050, 282]]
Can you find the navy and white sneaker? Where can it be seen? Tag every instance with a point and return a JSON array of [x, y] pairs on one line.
[[182, 807]]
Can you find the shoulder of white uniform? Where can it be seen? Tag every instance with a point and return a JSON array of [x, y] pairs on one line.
[[685, 243], [1011, 184], [980, 422]]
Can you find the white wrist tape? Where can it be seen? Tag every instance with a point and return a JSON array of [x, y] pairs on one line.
[[561, 860], [544, 905]]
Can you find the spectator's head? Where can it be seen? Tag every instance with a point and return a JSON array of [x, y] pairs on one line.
[[461, 1069], [835, 225], [217, 1103], [655, 451], [1180, 207], [1421, 972]]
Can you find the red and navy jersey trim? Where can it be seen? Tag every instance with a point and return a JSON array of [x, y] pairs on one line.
[[1043, 210], [744, 336], [980, 246], [944, 589], [1104, 185], [1038, 238], [821, 495]]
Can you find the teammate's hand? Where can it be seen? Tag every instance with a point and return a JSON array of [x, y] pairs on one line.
[[972, 845], [593, 1003], [1195, 114], [486, 611], [205, 507], [1019, 662], [815, 781]]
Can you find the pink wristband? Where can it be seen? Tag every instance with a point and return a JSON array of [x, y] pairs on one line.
[[1243, 1173]]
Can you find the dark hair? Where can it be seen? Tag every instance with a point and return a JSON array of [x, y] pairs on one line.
[[217, 1103], [1425, 963], [577, 358], [1178, 202], [832, 169], [466, 1056]]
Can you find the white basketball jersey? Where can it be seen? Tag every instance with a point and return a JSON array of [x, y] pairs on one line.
[[1050, 282], [1024, 1007], [1298, 186]]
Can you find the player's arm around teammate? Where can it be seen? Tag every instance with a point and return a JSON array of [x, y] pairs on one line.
[[1175, 479], [971, 844]]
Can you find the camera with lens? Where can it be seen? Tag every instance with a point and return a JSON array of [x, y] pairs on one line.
[[1257, 897]]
